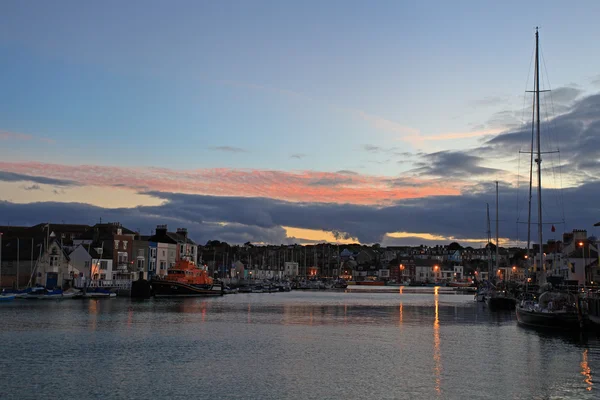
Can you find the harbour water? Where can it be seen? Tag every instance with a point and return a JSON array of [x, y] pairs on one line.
[[405, 344]]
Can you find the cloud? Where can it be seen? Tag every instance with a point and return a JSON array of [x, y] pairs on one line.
[[298, 155], [565, 94], [491, 101], [5, 135], [596, 80], [33, 187], [452, 164], [229, 149], [17, 177], [241, 219], [291, 186]]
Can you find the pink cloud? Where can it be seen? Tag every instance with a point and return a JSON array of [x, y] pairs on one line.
[[298, 186], [4, 135]]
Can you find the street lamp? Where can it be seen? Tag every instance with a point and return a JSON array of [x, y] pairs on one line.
[[581, 244]]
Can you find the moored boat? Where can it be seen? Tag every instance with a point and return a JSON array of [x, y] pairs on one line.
[[553, 310], [6, 297], [370, 283], [186, 279]]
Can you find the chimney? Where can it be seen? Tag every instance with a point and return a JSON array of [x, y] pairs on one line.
[[182, 232], [161, 230]]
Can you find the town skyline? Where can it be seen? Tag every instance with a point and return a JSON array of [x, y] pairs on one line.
[[295, 123]]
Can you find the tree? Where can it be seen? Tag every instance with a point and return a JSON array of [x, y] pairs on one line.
[[454, 246]]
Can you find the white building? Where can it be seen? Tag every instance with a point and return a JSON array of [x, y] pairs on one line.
[[291, 269]]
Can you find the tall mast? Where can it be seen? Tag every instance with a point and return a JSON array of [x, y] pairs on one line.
[[539, 150], [489, 250], [497, 242]]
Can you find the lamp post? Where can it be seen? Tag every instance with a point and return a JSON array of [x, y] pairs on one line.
[[581, 244]]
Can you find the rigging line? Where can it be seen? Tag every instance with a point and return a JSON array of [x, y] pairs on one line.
[[526, 84], [518, 185], [560, 197]]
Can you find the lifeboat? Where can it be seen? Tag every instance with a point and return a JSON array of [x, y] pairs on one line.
[[185, 279]]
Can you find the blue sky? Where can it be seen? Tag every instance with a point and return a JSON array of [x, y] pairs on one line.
[[297, 85]]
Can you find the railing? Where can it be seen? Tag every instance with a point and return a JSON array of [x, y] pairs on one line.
[[113, 283]]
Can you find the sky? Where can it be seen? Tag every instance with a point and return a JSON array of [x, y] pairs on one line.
[[297, 122]]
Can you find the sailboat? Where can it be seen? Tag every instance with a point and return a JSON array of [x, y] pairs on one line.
[[499, 298], [553, 309]]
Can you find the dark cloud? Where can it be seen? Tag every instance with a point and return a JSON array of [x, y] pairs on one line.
[[229, 149], [564, 95], [14, 177], [346, 172], [575, 133], [239, 219], [451, 164], [371, 148], [33, 187], [331, 181]]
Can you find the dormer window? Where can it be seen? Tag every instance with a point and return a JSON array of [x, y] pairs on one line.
[[119, 231]]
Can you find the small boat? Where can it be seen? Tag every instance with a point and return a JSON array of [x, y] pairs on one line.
[[44, 294], [340, 284], [257, 289], [245, 289], [370, 283], [72, 294], [461, 284], [228, 290], [186, 279], [553, 310], [98, 293], [6, 297], [500, 300]]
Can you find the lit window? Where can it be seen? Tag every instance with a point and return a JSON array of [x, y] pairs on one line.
[[116, 244]]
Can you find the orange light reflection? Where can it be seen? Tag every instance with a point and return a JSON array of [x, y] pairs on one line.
[[437, 355], [586, 371]]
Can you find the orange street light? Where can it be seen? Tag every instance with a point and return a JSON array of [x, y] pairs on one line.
[[514, 267], [580, 244], [402, 266], [435, 267]]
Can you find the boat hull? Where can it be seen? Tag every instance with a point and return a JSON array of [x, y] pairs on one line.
[[555, 321], [7, 297], [500, 303], [165, 288], [370, 283]]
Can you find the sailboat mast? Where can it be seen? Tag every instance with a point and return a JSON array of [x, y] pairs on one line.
[[539, 150], [489, 237], [497, 242]]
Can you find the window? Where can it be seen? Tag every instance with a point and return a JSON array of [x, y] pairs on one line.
[[104, 265], [86, 264], [163, 253], [54, 261], [124, 244], [114, 276], [152, 266], [116, 244], [140, 264], [102, 276], [122, 257], [163, 265]]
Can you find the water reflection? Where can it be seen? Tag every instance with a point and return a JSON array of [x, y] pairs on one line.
[[586, 371], [401, 314], [93, 314], [437, 354]]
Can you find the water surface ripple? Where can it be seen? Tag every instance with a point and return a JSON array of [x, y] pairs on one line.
[[298, 345]]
